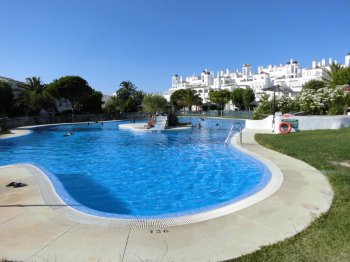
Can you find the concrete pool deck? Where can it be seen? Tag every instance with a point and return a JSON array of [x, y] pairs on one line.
[[34, 230]]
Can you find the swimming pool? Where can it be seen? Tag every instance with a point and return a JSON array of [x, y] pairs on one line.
[[109, 172]]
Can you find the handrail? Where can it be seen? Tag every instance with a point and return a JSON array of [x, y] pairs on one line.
[[235, 127], [228, 136]]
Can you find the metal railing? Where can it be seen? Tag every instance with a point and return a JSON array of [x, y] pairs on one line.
[[218, 113], [235, 127], [44, 120], [8, 123]]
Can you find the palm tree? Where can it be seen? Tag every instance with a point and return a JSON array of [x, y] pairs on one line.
[[128, 97], [328, 74], [128, 86], [189, 98], [34, 84], [175, 99], [34, 96]]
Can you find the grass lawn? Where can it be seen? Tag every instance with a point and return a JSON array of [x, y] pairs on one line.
[[328, 238]]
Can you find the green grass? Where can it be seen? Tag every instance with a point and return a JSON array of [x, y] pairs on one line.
[[328, 238]]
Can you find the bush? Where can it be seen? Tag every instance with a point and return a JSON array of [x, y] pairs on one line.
[[336, 110], [314, 85], [264, 109], [4, 130], [332, 101]]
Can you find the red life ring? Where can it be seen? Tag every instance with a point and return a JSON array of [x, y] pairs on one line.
[[284, 130]]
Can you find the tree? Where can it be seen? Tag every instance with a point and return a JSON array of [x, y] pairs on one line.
[[248, 97], [185, 98], [93, 103], [175, 99], [237, 98], [153, 103], [138, 98], [128, 98], [34, 84], [73, 88], [6, 98], [342, 77], [35, 96], [111, 106], [314, 84], [328, 74], [221, 97], [128, 85], [190, 98]]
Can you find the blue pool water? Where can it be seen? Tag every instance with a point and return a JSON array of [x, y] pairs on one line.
[[110, 172]]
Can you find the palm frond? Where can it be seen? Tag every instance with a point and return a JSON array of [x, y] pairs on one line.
[[328, 74]]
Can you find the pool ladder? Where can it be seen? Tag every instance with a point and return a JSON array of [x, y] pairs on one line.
[[235, 127]]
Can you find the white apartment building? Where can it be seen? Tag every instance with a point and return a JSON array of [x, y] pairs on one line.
[[290, 75]]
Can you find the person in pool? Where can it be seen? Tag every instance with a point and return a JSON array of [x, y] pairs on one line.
[[69, 133]]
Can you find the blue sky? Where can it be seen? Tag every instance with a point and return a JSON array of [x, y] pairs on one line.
[[148, 41]]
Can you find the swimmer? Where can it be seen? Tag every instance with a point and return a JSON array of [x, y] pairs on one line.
[[217, 124], [69, 133]]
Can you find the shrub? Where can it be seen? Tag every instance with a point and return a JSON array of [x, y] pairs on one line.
[[4, 130], [264, 109], [336, 110], [326, 100], [314, 84]]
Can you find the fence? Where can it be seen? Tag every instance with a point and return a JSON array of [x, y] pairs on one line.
[[218, 113], [8, 123]]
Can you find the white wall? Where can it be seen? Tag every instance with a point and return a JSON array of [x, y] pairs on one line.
[[317, 122], [265, 123], [304, 122]]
